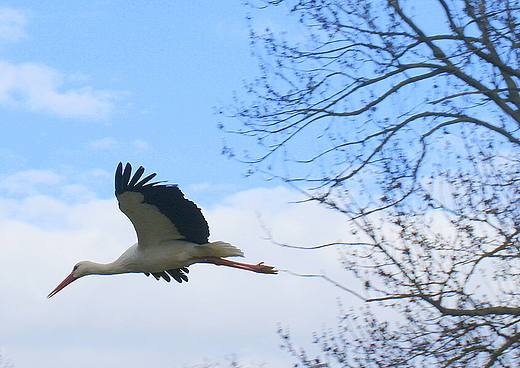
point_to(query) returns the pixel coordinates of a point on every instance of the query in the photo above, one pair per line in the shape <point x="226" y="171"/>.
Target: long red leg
<point x="260" y="267"/>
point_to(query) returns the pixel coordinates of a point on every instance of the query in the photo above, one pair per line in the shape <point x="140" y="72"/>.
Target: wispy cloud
<point x="140" y="145"/>
<point x="41" y="88"/>
<point x="12" y="25"/>
<point x="109" y="143"/>
<point x="28" y="182"/>
<point x="103" y="143"/>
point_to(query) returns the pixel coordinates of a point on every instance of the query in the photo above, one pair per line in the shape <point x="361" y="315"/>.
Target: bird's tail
<point x="221" y="249"/>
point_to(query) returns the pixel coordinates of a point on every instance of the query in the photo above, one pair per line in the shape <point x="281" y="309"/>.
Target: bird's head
<point x="81" y="269"/>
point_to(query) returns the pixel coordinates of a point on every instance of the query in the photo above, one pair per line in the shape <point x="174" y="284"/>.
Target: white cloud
<point x="41" y="88"/>
<point x="109" y="143"/>
<point x="27" y="182"/>
<point x="134" y="321"/>
<point x="140" y="145"/>
<point x="33" y="184"/>
<point x="103" y="143"/>
<point x="12" y="25"/>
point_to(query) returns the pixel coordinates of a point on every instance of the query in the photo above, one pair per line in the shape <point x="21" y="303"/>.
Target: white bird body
<point x="171" y="231"/>
<point x="166" y="255"/>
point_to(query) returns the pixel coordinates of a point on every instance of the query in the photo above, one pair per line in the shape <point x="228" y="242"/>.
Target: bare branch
<point x="328" y="279"/>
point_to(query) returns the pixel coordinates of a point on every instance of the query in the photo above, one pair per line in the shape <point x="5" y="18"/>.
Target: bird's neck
<point x="106" y="268"/>
<point x="125" y="263"/>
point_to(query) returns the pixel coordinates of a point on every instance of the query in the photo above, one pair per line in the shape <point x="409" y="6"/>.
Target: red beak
<point x="64" y="283"/>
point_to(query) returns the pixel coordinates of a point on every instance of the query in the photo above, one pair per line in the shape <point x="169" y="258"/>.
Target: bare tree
<point x="405" y="117"/>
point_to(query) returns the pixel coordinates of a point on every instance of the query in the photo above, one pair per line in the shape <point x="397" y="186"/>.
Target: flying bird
<point x="172" y="234"/>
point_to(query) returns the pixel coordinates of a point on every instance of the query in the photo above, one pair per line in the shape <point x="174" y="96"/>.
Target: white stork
<point x="172" y="234"/>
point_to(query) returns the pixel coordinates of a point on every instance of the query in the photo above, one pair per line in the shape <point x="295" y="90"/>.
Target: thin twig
<point x="269" y="237"/>
<point x="328" y="279"/>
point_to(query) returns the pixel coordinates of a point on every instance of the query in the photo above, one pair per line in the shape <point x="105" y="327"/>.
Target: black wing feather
<point x="136" y="176"/>
<point x="179" y="274"/>
<point x="126" y="176"/>
<point x="145" y="180"/>
<point x="168" y="199"/>
<point x="119" y="179"/>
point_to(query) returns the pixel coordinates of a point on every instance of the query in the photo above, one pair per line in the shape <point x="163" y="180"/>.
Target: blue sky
<point x="86" y="84"/>
<point x="111" y="81"/>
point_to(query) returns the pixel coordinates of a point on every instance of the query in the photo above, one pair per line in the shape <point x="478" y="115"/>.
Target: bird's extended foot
<point x="259" y="267"/>
<point x="263" y="268"/>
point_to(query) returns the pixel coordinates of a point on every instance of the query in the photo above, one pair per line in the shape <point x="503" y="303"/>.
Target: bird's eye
<point x="75" y="268"/>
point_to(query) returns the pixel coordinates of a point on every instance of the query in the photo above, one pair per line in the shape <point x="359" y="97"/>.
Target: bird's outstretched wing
<point x="158" y="211"/>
